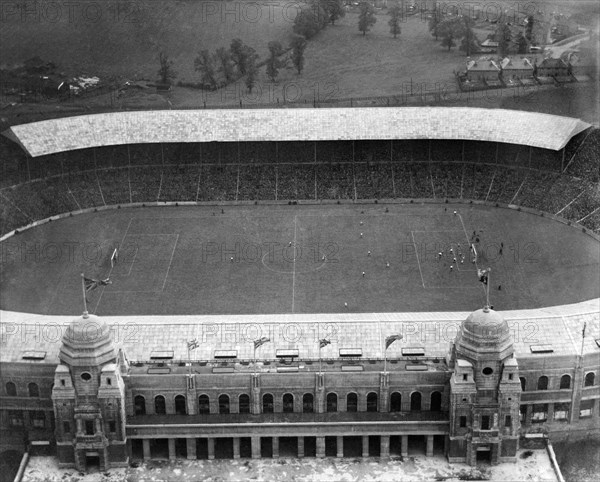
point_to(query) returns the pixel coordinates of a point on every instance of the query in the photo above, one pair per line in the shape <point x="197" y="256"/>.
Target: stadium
<point x="265" y="283"/>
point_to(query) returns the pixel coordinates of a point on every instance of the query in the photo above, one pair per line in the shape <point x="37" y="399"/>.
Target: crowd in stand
<point x="564" y="182"/>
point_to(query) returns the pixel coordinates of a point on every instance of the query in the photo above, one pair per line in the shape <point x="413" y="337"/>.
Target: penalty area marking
<point x="417" y="254"/>
<point x="170" y="261"/>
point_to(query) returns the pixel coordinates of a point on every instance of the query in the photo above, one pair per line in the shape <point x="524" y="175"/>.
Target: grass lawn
<point x="302" y="259"/>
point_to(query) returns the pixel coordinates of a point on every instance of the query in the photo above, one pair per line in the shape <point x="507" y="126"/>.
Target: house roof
<point x="245" y="125"/>
<point x="516" y="64"/>
<point x="482" y="66"/>
<point x="552" y="63"/>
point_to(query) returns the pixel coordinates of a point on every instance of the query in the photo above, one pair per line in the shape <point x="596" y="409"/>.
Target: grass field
<point x="300" y="259"/>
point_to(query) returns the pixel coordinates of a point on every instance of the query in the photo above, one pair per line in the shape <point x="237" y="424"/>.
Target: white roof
<point x="377" y="123"/>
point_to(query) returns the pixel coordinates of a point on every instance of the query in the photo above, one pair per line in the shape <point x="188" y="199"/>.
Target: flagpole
<point x="488" y="287"/>
<point x="254" y="364"/>
<point x="85" y="311"/>
<point x="320" y="359"/>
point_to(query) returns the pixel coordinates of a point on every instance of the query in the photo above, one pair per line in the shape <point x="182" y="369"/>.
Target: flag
<point x="260" y="342"/>
<point x="483" y="275"/>
<point x="192" y="345"/>
<point x="391" y="339"/>
<point x="90" y="283"/>
<point x="324" y="343"/>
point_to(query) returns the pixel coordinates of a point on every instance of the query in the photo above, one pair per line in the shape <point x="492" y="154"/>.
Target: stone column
<point x="404" y="447"/>
<point x="275" y="447"/>
<point x="300" y="447"/>
<point x="320" y="447"/>
<point x="236" y="447"/>
<point x="340" y="446"/>
<point x="191" y="448"/>
<point x="146" y="448"/>
<point x="365" y="443"/>
<point x="211" y="448"/>
<point x="527" y="421"/>
<point x="384" y="446"/>
<point x="255" y="447"/>
<point x="171" y="448"/>
<point x="384" y="392"/>
<point x="429" y="452"/>
<point x="550" y="412"/>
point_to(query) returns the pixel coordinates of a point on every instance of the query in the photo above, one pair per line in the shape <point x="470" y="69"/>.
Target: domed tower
<point x="89" y="398"/>
<point x="485" y="391"/>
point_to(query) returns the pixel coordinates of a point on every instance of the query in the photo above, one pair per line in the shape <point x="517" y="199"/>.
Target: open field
<point x="297" y="259"/>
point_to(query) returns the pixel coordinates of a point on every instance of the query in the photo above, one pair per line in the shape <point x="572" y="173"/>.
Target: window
<point x="465" y="377"/>
<point x="86" y="377"/>
<point x="508" y="421"/>
<point x="34" y="390"/>
<point x="139" y="404"/>
<point x="62" y="382"/>
<point x="487" y="371"/>
<point x="542" y="383"/>
<point x="589" y="379"/>
<point x="485" y="422"/>
<point x="415" y="401"/>
<point x="224" y="404"/>
<point x="436" y="402"/>
<point x="203" y="405"/>
<point x="352" y="402"/>
<point x="510" y="376"/>
<point x="16" y="418"/>
<point x="307" y="403"/>
<point x="523" y="383"/>
<point x="332" y="402"/>
<point x="586" y="408"/>
<point x="89" y="427"/>
<point x="288" y="403"/>
<point x="112" y="426"/>
<point x="160" y="407"/>
<point x="38" y="419"/>
<point x="244" y="403"/>
<point x="180" y="405"/>
<point x="565" y="382"/>
<point x="522" y="413"/>
<point x="463" y="421"/>
<point x="267" y="403"/>
<point x="539" y="413"/>
<point x="396" y="402"/>
<point x="11" y="389"/>
<point x="109" y="381"/>
<point x="371" y="402"/>
<point x="66" y="427"/>
<point x="561" y="411"/>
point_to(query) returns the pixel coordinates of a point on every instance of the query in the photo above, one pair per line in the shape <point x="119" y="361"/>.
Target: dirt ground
<point x="531" y="466"/>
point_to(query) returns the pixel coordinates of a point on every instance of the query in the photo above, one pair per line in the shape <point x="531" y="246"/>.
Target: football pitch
<point x="298" y="259"/>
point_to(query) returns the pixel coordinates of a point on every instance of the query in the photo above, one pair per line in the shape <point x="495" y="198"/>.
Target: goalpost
<point x="114" y="258"/>
<point x="473" y="253"/>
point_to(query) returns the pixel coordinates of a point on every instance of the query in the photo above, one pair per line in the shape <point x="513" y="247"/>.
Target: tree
<point x="310" y="21"/>
<point x="469" y="41"/>
<point x="241" y="55"/>
<point x="225" y="64"/>
<point x="394" y="23"/>
<point x="450" y="30"/>
<point x="205" y="64"/>
<point x="434" y="22"/>
<point x="251" y="73"/>
<point x="165" y="72"/>
<point x="529" y="28"/>
<point x="298" y="46"/>
<point x="503" y="37"/>
<point x="273" y="62"/>
<point x="334" y="9"/>
<point x="366" y="18"/>
<point x="521" y="43"/>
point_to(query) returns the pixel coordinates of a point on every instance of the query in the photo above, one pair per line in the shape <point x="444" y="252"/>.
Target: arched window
<point x="371" y="402"/>
<point x="160" y="407"/>
<point x="589" y="379"/>
<point x="332" y="402"/>
<point x="565" y="381"/>
<point x="415" y="401"/>
<point x="352" y="402"/>
<point x="34" y="390"/>
<point x="288" y="403"/>
<point x="203" y="405"/>
<point x="396" y="402"/>
<point x="244" y="403"/>
<point x="180" y="405"/>
<point x="543" y="383"/>
<point x="139" y="404"/>
<point x="11" y="389"/>
<point x="224" y="404"/>
<point x="267" y="405"/>
<point x="523" y="383"/>
<point x="308" y="403"/>
<point x="436" y="402"/>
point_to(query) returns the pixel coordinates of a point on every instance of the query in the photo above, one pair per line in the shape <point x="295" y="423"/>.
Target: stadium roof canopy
<point x="379" y="123"/>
